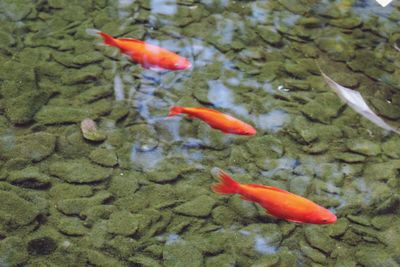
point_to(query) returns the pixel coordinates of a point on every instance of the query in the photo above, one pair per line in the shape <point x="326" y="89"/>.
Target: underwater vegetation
<point x="93" y="174"/>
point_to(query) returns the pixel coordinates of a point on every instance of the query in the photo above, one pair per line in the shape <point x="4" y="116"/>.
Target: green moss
<point x="79" y="171"/>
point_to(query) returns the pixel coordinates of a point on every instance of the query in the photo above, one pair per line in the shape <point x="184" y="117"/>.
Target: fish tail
<point x="226" y="183"/>
<point x="108" y="39"/>
<point x="175" y="110"/>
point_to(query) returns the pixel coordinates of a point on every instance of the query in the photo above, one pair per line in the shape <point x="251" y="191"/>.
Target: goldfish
<point x="147" y="55"/>
<point x="217" y="120"/>
<point x="277" y="202"/>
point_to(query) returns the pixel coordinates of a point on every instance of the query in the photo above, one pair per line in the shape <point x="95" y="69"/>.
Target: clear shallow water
<point x="141" y="195"/>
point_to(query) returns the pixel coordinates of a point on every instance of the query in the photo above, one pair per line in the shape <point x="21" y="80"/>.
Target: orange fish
<point x="217" y="120"/>
<point x="277" y="202"/>
<point x="148" y="55"/>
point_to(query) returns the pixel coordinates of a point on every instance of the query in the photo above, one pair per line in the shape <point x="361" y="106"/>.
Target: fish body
<point x="277" y="202"/>
<point x="217" y="120"/>
<point x="148" y="55"/>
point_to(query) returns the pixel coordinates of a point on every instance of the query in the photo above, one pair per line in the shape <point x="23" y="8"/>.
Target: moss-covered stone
<point x="35" y="147"/>
<point x="122" y="223"/>
<point x="57" y="115"/>
<point x="364" y="147"/>
<point x="323" y="108"/>
<point x="79" y="171"/>
<point x="30" y="177"/>
<point x="181" y="254"/>
<point x="319" y="239"/>
<point x="74" y="206"/>
<point x="198" y="207"/>
<point x="71" y="227"/>
<point x="105" y="157"/>
<point x="13" y="252"/>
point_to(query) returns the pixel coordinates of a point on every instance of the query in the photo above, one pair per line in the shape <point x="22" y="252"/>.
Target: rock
<point x="198" y="207"/>
<point x="221" y="260"/>
<point x="374" y="257"/>
<point x="122" y="223"/>
<point x="92" y="94"/>
<point x="181" y="254"/>
<point x="103" y="156"/>
<point x="15" y="211"/>
<point x="265" y="147"/>
<point x="392" y="148"/>
<point x="319" y="239"/>
<point x="35" y="147"/>
<point x="299" y="184"/>
<point x="57" y="115"/>
<point x="223" y="216"/>
<point x="338" y="228"/>
<point x="65" y="191"/>
<point x="71" y="227"/>
<point x="90" y="132"/>
<point x="79" y="171"/>
<point x="346" y="23"/>
<point x="13" y="252"/>
<point x="99" y="259"/>
<point x="30" y="177"/>
<point x="269" y="34"/>
<point x="313" y="254"/>
<point x="42" y="246"/>
<point x="388" y="110"/>
<point x="74" y="206"/>
<point x="123" y="186"/>
<point x="349" y="157"/>
<point x="95" y="213"/>
<point x="364" y="147"/>
<point x="144" y="261"/>
<point x="323" y="108"/>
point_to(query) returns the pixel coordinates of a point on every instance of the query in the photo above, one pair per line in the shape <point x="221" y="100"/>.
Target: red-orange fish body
<point x="277" y="202"/>
<point x="217" y="120"/>
<point x="148" y="55"/>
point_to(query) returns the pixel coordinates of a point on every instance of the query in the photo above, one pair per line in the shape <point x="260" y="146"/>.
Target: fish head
<point x="181" y="63"/>
<point x="322" y="216"/>
<point x="248" y="130"/>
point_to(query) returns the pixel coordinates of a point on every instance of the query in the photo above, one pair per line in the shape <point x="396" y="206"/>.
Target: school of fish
<point x="276" y="202"/>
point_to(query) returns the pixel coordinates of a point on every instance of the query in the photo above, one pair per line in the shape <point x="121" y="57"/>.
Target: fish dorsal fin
<point x="131" y="40"/>
<point x="268" y="187"/>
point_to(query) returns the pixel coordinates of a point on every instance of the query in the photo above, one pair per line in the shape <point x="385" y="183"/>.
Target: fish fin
<point x="226" y="183"/>
<point x="268" y="187"/>
<point x="294" y="221"/>
<point x="92" y="32"/>
<point x="108" y="39"/>
<point x="131" y="40"/>
<point x="175" y="110"/>
<point x="154" y="68"/>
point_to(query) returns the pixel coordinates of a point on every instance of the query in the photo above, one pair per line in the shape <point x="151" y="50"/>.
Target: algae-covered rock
<point x="122" y="223"/>
<point x="105" y="157"/>
<point x="72" y="227"/>
<point x="144" y="261"/>
<point x="16" y="211"/>
<point x="79" y="171"/>
<point x="323" y="108"/>
<point x="181" y="254"/>
<point x="265" y="147"/>
<point x="374" y="257"/>
<point x="56" y="114"/>
<point x="99" y="259"/>
<point x="123" y="186"/>
<point x="222" y="260"/>
<point x="198" y="207"/>
<point x="319" y="239"/>
<point x="13" y="252"/>
<point x="30" y="177"/>
<point x="392" y="148"/>
<point x="74" y="206"/>
<point x="314" y="254"/>
<point x="35" y="147"/>
<point x="364" y="147"/>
